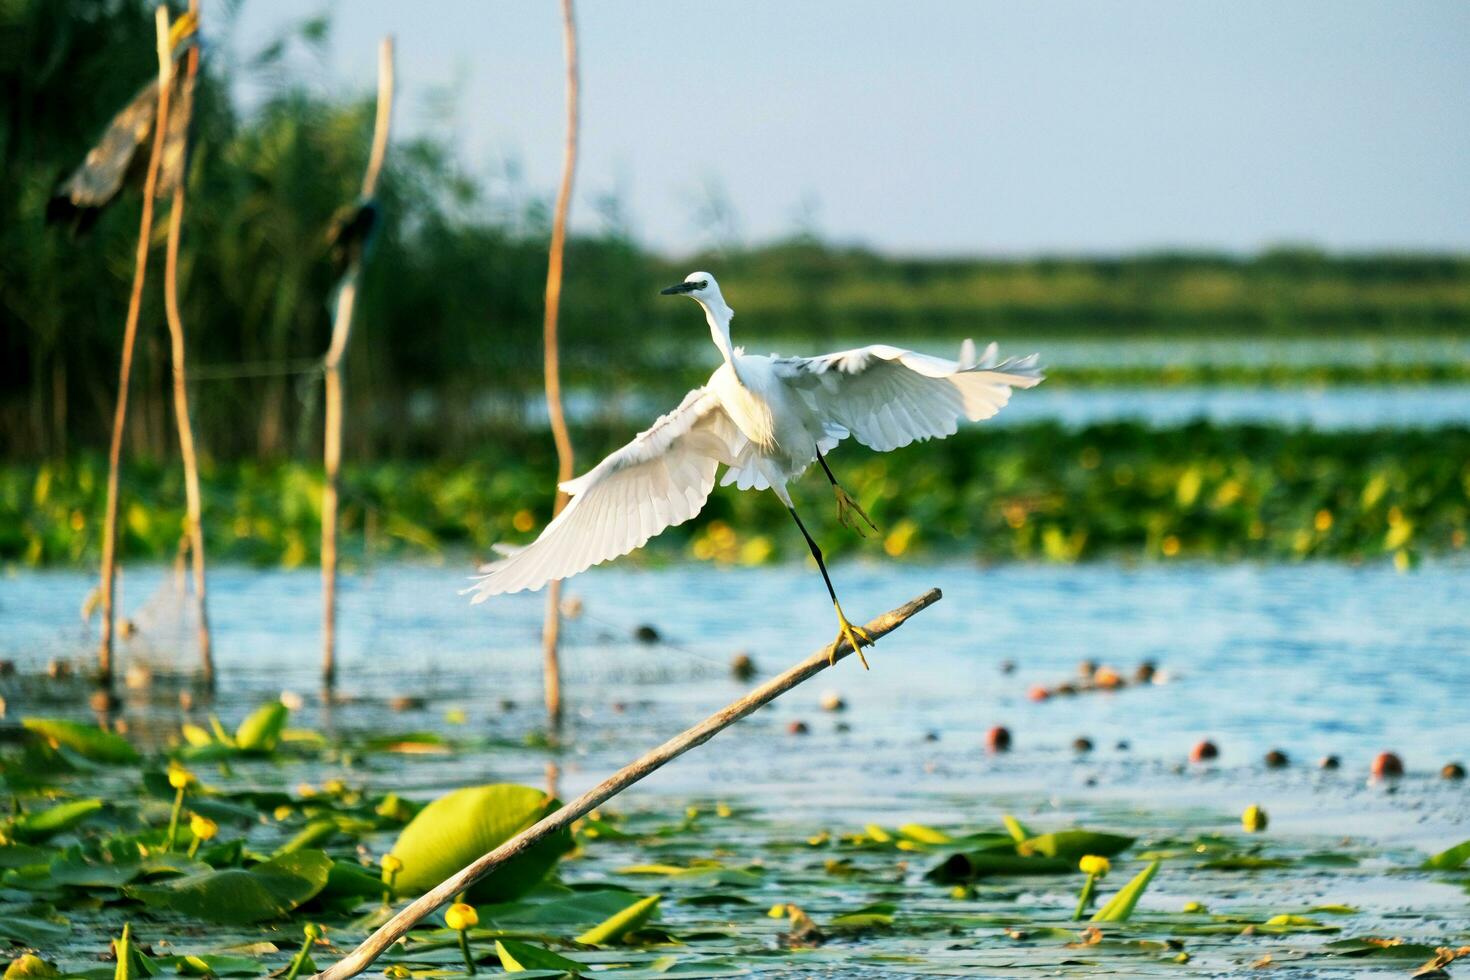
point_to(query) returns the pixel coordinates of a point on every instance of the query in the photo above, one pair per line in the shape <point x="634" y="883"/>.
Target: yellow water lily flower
<point x="1095" y="864"/>
<point x="461" y="916"/>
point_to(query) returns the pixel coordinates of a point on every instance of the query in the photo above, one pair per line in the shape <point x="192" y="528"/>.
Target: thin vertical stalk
<point x="341" y="329"/>
<point x="130" y="336"/>
<point x="195" y="529"/>
<point x="551" y="631"/>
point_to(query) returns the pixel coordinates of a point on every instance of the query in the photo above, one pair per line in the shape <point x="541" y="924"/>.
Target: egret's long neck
<point x="719" y="315"/>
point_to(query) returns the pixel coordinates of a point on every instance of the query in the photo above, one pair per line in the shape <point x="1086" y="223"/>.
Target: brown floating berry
<point x="1087" y="668"/>
<point x="998" y="739"/>
<point x="1276" y="759"/>
<point x="1329" y="762"/>
<point x="1038" y="692"/>
<point x="797" y="728"/>
<point x="742" y="667"/>
<point x="646" y="634"/>
<point x="1204" y="751"/>
<point x="1386" y="765"/>
<point x="1145" y="672"/>
<point x="1082" y="744"/>
<point x="1452" y="770"/>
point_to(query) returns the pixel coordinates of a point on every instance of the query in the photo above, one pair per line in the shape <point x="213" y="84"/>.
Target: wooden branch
<point x="395" y="928"/>
<point x="130" y="336"/>
<point x="195" y="529"/>
<point x="551" y="629"/>
<point x="341" y="330"/>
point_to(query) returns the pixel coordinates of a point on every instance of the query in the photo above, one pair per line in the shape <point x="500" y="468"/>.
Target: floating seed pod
<point x="1144" y="672"/>
<point x="1387" y="765"/>
<point x="1038" y="692"/>
<point x="742" y="667"/>
<point x="1204" y="751"/>
<point x="797" y="728"/>
<point x="832" y="701"/>
<point x="1329" y="762"/>
<point x="998" y="739"/>
<point x="1452" y="770"/>
<point x="1276" y="759"/>
<point x="1082" y="744"/>
<point x="646" y="634"/>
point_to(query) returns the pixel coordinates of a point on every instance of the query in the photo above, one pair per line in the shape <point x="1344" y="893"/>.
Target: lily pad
<point x="519" y="957"/>
<point x="1073" y="845"/>
<point x="615" y="929"/>
<point x="64" y="816"/>
<point x="461" y="826"/>
<point x="966" y="866"/>
<point x="1451" y="859"/>
<point x="261" y="731"/>
<point x="1121" y="905"/>
<point x="87" y="741"/>
<point x="237" y="896"/>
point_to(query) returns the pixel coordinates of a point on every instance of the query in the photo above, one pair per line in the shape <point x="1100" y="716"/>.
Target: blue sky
<point x="942" y="128"/>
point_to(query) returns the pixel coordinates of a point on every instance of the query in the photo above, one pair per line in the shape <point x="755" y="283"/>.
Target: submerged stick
<point x="341" y="330"/>
<point x="130" y="335"/>
<point x="194" y="519"/>
<point x="398" y="926"/>
<point x="551" y="630"/>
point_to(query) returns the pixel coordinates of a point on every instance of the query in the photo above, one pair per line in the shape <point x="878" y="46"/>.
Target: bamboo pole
<point x="395" y="928"/>
<point x="130" y="336"/>
<point x="551" y="630"/>
<point x="341" y="329"/>
<point x="195" y="528"/>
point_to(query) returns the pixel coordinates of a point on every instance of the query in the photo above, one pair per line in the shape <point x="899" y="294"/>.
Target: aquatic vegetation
<point x="1038" y="492"/>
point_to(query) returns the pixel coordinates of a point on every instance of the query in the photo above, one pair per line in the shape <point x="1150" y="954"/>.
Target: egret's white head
<point x="702" y="288"/>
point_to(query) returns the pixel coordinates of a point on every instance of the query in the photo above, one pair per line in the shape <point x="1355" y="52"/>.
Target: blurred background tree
<point x="448" y="343"/>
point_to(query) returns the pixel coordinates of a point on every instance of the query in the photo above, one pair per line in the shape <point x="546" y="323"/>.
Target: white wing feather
<point x="661" y="478"/>
<point x="888" y="397"/>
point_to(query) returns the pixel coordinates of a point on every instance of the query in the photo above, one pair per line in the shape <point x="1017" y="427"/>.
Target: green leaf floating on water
<point x="30" y="967"/>
<point x="77" y="871"/>
<point x="1451" y="859"/>
<point x="518" y="957"/>
<point x="261" y="732"/>
<point x="64" y="816"/>
<point x="966" y="866"/>
<point x="461" y="826"/>
<point x="617" y="927"/>
<point x="1073" y="845"/>
<point x="30" y="931"/>
<point x="1019" y="832"/>
<point x="1121" y="905"/>
<point x="237" y="896"/>
<point x="87" y="741"/>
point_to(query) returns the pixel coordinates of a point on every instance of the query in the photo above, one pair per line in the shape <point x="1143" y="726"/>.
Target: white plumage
<point x="765" y="419"/>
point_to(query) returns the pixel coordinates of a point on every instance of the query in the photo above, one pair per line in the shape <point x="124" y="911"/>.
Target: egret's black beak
<point x="681" y="287"/>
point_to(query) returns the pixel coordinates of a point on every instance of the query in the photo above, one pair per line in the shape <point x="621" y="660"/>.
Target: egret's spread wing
<point x="660" y="479"/>
<point x="888" y="397"/>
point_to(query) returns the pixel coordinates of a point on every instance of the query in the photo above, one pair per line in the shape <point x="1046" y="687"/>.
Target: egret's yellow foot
<point x="846" y="507"/>
<point x="856" y="636"/>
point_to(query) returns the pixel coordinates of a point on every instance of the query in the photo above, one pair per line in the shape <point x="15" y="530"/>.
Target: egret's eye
<point x="701" y="284"/>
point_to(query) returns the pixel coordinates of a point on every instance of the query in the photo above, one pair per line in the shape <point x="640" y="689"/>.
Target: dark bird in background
<point x="119" y="159"/>
<point x="352" y="234"/>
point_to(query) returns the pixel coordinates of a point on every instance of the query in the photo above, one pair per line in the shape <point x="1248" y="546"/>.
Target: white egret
<point x="766" y="419"/>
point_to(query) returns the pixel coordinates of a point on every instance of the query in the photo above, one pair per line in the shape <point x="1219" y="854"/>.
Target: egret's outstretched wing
<point x="660" y="479"/>
<point x="888" y="397"/>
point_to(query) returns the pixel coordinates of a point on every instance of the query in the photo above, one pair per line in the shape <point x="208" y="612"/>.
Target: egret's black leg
<point x="856" y="636"/>
<point x="846" y="506"/>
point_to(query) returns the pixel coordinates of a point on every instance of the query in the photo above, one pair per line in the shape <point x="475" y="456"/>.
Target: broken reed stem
<point x="341" y="330"/>
<point x="130" y="335"/>
<point x="398" y="926"/>
<point x="551" y="630"/>
<point x="194" y="517"/>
